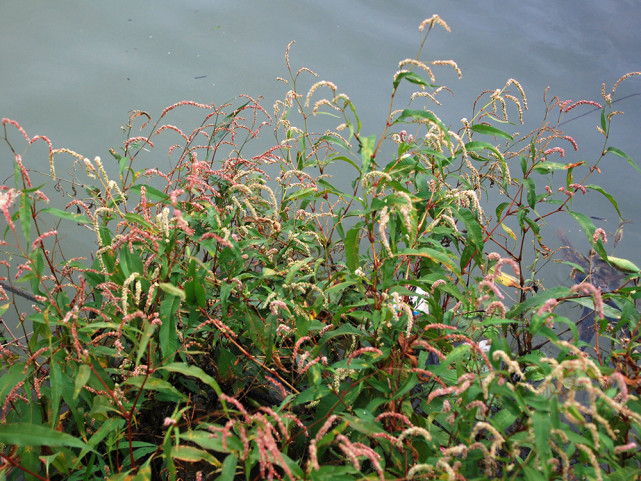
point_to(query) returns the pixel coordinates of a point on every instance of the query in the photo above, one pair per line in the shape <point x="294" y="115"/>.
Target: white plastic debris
<point x="485" y="345"/>
<point x="419" y="303"/>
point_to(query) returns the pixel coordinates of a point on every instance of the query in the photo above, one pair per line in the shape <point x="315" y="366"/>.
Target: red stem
<point x="15" y="464"/>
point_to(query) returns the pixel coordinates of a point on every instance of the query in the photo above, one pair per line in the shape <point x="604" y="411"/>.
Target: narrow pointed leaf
<point x="623" y="155"/>
<point x="422" y="115"/>
<point x="172" y="290"/>
<point x="81" y="379"/>
<point x="413" y="78"/>
<point x="193" y="455"/>
<point x="606" y="195"/>
<point x="531" y="192"/>
<point x="193" y="371"/>
<point x="623" y="265"/>
<point x="25" y="434"/>
<point x="154" y="384"/>
<point x="490" y="130"/>
<point x="477" y="145"/>
<point x="167" y="334"/>
<point x="79" y="218"/>
<point x="352" y="239"/>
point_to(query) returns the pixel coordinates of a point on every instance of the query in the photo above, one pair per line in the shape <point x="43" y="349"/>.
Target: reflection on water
<point x="596" y="271"/>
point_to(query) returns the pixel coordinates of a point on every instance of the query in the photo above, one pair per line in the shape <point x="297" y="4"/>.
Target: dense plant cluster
<point x="251" y="317"/>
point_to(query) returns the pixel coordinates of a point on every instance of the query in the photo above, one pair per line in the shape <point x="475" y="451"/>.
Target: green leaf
<point x="193" y="371"/>
<point x="547" y="167"/>
<point x="531" y="192"/>
<point x="490" y="130"/>
<point x="9" y="378"/>
<point x="413" y="78"/>
<point x="509" y="231"/>
<point x="172" y="290"/>
<point x="335" y="473"/>
<point x="154" y="384"/>
<point x="333" y="140"/>
<point x="456" y="353"/>
<point x="130" y="262"/>
<point x="329" y="188"/>
<point x="260" y="333"/>
<point x="367" y="149"/>
<point x="151" y="193"/>
<point x="147" y="334"/>
<point x="496" y="321"/>
<point x="122" y="165"/>
<point x="79" y="218"/>
<point x="347" y="160"/>
<point x="295" y="269"/>
<point x="477" y="145"/>
<point x="204" y="440"/>
<point x="532" y="474"/>
<point x="500" y="208"/>
<point x="538" y="300"/>
<point x="144" y="472"/>
<point x="56" y="388"/>
<point x="623" y="155"/>
<point x="541" y="422"/>
<point x="167" y="335"/>
<point x="25" y="216"/>
<point x="432" y="254"/>
<point x="364" y="423"/>
<point x="606" y="195"/>
<point x="623" y="265"/>
<point x="193" y="455"/>
<point x="534" y="226"/>
<point x="81" y="379"/>
<point x="229" y="468"/>
<point x="474" y="230"/>
<point x="344" y="330"/>
<point x="225" y="292"/>
<point x="423" y="115"/>
<point x="589" y="228"/>
<point x="194" y="291"/>
<point x="110" y="426"/>
<point x="352" y="244"/>
<point x="299" y="193"/>
<point x="25" y="434"/>
<point x="138" y="219"/>
<point x="608" y="311"/>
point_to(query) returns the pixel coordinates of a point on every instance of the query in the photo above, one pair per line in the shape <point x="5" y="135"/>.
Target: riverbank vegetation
<point x="341" y="304"/>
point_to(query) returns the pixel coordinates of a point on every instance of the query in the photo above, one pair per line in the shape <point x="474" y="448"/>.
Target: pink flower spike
<point x="390" y="414"/>
<point x="600" y="233"/>
<point x="624" y="448"/>
<point x="35" y="243"/>
<point x="578" y="187"/>
<point x="565" y="109"/>
<point x="572" y="141"/>
<point x="131" y="140"/>
<point x="361" y="351"/>
<point x="490" y="284"/>
<point x="564" y="104"/>
<point x="7" y="198"/>
<point x="547" y="307"/>
<point x="6" y="121"/>
<point x="590" y="289"/>
<point x="557" y="150"/>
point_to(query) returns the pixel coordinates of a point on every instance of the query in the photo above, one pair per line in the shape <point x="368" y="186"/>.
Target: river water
<point x="72" y="69"/>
